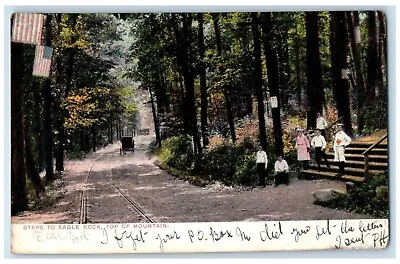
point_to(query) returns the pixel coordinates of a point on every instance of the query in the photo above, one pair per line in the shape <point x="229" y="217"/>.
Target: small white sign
<point x="274" y="102"/>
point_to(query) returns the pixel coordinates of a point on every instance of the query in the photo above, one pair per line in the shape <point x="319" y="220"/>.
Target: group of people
<point x="303" y="147"/>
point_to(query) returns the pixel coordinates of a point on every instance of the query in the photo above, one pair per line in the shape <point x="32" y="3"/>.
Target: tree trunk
<point x="382" y="52"/>
<point x="203" y="83"/>
<point x="258" y="79"/>
<point x="68" y="85"/>
<point x="37" y="123"/>
<point x="339" y="68"/>
<point x="231" y="119"/>
<point x="168" y="88"/>
<point x="48" y="140"/>
<point x="87" y="140"/>
<point x="272" y="73"/>
<point x="372" y="60"/>
<point x="185" y="61"/>
<point x="248" y="85"/>
<point x="249" y="104"/>
<point x="82" y="140"/>
<point x="19" y="198"/>
<point x="228" y="103"/>
<point x="159" y="94"/>
<point x="110" y="130"/>
<point x="155" y="118"/>
<point x="94" y="138"/>
<point x="284" y="70"/>
<point x="184" y="103"/>
<point x="48" y="130"/>
<point x="355" y="38"/>
<point x="315" y="89"/>
<point x="31" y="171"/>
<point x="117" y="130"/>
<point x="299" y="86"/>
<point x="163" y="92"/>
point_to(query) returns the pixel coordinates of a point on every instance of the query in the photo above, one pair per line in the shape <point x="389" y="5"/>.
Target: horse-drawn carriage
<point x="127" y="144"/>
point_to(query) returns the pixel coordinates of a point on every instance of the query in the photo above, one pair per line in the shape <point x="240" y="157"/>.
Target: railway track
<point x="83" y="194"/>
<point x="134" y="205"/>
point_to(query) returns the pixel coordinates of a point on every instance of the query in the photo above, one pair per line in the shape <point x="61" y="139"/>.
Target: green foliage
<point x="177" y="152"/>
<point x="87" y="106"/>
<point x="71" y="34"/>
<point x="246" y="172"/>
<point x="363" y="199"/>
<point x="219" y="162"/>
<point x="228" y="163"/>
<point x="126" y="95"/>
<point x="380" y="109"/>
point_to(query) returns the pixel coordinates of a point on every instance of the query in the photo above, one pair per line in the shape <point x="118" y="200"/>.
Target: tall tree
<point x="340" y="68"/>
<point x="47" y="116"/>
<point x="60" y="149"/>
<point x="183" y="36"/>
<point x="31" y="92"/>
<point x="203" y="82"/>
<point x="155" y="117"/>
<point x="372" y="58"/>
<point x="382" y="50"/>
<point x="315" y="89"/>
<point x="297" y="62"/>
<point x="228" y="102"/>
<point x="19" y="199"/>
<point x="272" y="73"/>
<point x="258" y="79"/>
<point x="31" y="170"/>
<point x="355" y="39"/>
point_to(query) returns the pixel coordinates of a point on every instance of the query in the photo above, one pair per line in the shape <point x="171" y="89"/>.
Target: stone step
<point x="360" y="164"/>
<point x="359" y="157"/>
<point x="331" y="175"/>
<point x="348" y="170"/>
<point x="375" y="151"/>
<point x="367" y="145"/>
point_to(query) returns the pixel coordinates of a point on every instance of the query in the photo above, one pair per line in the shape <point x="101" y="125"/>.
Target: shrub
<point x="230" y="164"/>
<point x="371" y="112"/>
<point x="246" y="172"/>
<point x="219" y="161"/>
<point x="177" y="152"/>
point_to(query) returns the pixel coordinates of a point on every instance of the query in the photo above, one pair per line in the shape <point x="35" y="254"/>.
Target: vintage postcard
<point x="186" y="132"/>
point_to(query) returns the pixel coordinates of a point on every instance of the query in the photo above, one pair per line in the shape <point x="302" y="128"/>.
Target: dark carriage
<point x="127" y="144"/>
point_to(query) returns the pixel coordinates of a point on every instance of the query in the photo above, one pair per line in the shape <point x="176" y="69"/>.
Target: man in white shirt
<point x="318" y="142"/>
<point x="262" y="163"/>
<point x="281" y="171"/>
<point x="321" y="124"/>
<point x="342" y="140"/>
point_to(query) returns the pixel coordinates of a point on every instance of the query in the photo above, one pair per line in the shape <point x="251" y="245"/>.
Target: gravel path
<point x="167" y="199"/>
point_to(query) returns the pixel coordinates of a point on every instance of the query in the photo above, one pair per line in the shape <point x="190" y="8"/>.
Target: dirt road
<point x="130" y="188"/>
